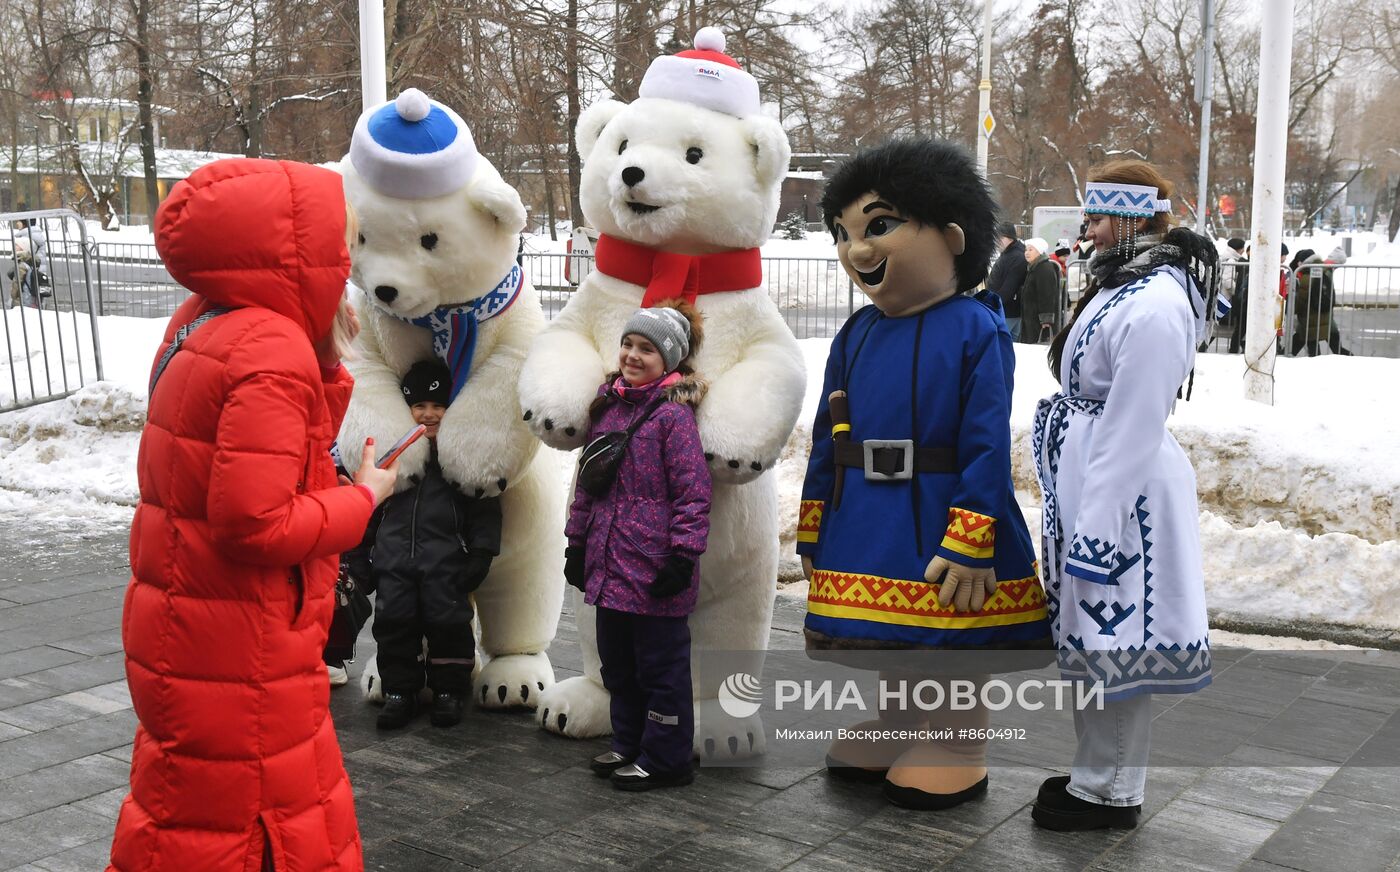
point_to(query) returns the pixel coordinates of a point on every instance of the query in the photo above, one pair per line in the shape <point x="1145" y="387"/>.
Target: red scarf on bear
<point x="667" y="276"/>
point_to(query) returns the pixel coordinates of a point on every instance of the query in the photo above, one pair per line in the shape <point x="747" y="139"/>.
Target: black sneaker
<point x="1058" y="809"/>
<point x="606" y="764"/>
<point x="399" y="709"/>
<point x="447" y="709"/>
<point x="634" y="778"/>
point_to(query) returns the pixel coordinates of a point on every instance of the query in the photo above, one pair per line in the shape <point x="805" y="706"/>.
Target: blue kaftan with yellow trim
<point x="942" y="377"/>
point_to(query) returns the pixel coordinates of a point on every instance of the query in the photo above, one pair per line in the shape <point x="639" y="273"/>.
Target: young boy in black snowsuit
<point x="428" y="548"/>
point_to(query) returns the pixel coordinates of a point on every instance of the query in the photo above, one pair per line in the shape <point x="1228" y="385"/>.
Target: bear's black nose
<point x="632" y="175"/>
<point x="387" y="293"/>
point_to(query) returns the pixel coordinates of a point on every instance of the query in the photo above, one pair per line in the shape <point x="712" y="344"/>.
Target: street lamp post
<point x="1204" y="86"/>
<point x="984" y="88"/>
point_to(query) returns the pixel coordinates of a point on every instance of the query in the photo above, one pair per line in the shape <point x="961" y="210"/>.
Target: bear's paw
<point x="721" y="736"/>
<point x="576" y="707"/>
<point x="730" y="470"/>
<point x="513" y="681"/>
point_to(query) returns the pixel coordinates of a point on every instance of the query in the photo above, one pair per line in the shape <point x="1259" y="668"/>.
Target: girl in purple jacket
<point x="633" y="550"/>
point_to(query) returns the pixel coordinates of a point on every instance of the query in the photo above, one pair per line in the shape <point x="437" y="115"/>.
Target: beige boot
<point x="867" y="759"/>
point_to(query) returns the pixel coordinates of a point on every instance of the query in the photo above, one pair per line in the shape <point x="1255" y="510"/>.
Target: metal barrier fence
<point x="1343" y="308"/>
<point x="814" y="295"/>
<point x="50" y="351"/>
<point x="1336" y="308"/>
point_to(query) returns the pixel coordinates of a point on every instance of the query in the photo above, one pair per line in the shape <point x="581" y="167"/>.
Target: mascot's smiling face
<point x="676" y="177"/>
<point x="902" y="264"/>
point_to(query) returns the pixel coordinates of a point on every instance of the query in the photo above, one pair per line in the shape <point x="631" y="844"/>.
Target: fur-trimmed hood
<point x="689" y="391"/>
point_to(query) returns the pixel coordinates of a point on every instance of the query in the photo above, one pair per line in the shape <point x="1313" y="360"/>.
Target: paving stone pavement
<point x="1308" y="780"/>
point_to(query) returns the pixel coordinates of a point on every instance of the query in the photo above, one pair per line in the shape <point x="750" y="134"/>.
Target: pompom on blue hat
<point x="413" y="148"/>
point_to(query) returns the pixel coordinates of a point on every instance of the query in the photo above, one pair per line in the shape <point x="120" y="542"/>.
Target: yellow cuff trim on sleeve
<point x="970" y="534"/>
<point x="840" y="428"/>
<point x="809" y="520"/>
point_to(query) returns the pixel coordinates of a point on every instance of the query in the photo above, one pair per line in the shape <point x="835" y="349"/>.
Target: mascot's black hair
<point x="930" y="180"/>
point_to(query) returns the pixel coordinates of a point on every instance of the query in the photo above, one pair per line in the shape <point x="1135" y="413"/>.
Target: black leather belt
<point x="895" y="459"/>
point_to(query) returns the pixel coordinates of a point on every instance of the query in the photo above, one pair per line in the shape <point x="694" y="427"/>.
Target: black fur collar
<point x="1180" y="247"/>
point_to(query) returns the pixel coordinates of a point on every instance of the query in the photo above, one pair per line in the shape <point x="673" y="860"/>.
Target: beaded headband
<point x="1129" y="201"/>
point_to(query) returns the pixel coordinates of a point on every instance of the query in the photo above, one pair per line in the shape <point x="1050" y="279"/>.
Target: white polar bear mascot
<point x="683" y="186"/>
<point x="436" y="261"/>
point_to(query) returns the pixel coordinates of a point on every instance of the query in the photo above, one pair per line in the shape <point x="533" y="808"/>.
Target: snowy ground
<point x="1299" y="500"/>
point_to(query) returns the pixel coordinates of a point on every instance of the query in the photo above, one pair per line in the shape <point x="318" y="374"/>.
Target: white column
<point x="1266" y="231"/>
<point x="984" y="88"/>
<point x="373" y="89"/>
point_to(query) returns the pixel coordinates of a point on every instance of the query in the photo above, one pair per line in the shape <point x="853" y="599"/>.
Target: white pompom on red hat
<point x="705" y="76"/>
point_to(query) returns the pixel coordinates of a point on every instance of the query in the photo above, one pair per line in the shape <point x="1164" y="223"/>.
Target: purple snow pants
<point x="646" y="668"/>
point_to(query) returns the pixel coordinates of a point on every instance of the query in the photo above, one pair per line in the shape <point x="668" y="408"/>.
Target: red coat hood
<point x="249" y="232"/>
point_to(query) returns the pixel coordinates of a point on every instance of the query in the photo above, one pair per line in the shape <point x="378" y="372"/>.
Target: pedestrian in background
<point x="1008" y="275"/>
<point x="1040" y="294"/>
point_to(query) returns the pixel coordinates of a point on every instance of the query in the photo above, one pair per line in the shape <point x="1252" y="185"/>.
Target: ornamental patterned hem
<point x="915" y="603"/>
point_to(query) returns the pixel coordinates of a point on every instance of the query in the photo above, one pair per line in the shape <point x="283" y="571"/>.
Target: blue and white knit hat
<point x="1129" y="201"/>
<point x="413" y="148"/>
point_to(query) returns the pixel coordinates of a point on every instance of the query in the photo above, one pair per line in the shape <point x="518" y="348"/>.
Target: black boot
<point x="1058" y="809"/>
<point x="447" y="709"/>
<point x="399" y="709"/>
<point x="1052" y="785"/>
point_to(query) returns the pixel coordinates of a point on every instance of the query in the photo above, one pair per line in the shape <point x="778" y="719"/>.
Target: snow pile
<point x="70" y="465"/>
<point x="1298" y="500"/>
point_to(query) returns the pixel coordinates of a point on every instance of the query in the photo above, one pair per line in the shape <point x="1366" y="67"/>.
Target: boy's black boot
<point x="447" y="709"/>
<point x="634" y="778"/>
<point x="1058" y="809"/>
<point x="399" y="709"/>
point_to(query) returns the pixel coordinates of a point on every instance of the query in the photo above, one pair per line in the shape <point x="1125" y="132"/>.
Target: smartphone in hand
<point x="400" y="446"/>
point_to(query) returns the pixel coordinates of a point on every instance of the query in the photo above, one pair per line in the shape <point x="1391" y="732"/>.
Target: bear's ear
<point x="770" y="147"/>
<point x="491" y="195"/>
<point x="592" y="122"/>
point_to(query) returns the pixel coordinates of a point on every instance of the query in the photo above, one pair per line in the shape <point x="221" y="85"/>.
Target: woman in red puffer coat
<point x="235" y="540"/>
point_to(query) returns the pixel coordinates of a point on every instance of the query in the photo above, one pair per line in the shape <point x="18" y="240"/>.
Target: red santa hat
<point x="705" y="76"/>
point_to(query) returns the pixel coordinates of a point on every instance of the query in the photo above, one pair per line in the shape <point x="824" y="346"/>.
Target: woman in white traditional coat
<point x="1122" y="553"/>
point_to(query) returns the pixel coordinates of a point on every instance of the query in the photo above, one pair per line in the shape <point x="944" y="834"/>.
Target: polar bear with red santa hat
<point x="683" y="186"/>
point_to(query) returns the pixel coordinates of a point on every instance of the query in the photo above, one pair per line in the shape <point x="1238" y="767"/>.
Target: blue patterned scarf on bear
<point x="455" y="327"/>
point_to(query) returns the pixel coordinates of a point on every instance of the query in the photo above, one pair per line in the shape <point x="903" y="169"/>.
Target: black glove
<point x="474" y="569"/>
<point x="573" y="566"/>
<point x="675" y="577"/>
